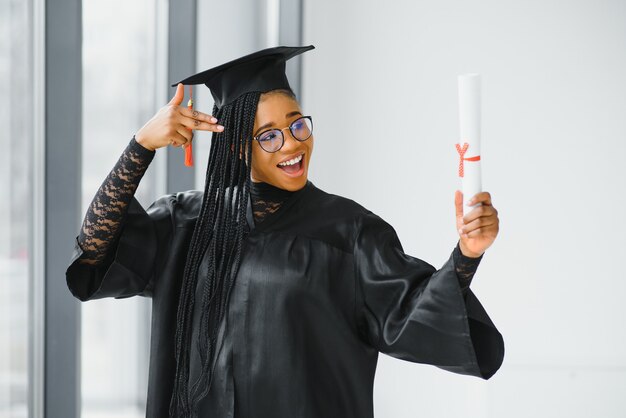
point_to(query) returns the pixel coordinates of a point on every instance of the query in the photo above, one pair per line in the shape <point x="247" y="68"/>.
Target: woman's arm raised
<point x="102" y="222"/>
<point x="172" y="124"/>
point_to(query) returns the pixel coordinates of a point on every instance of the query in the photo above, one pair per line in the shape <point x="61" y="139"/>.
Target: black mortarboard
<point x="260" y="71"/>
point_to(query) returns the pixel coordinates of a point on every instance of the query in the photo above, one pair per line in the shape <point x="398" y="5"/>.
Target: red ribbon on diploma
<point x="461" y="152"/>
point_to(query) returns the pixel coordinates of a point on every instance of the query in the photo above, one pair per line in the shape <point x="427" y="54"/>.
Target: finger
<point x="478" y="232"/>
<point x="191" y="123"/>
<point x="479" y="212"/>
<point x="476" y="224"/>
<point x="178" y="138"/>
<point x="473" y="234"/>
<point x="480" y="197"/>
<point x="178" y="96"/>
<point x="195" y="114"/>
<point x="186" y="134"/>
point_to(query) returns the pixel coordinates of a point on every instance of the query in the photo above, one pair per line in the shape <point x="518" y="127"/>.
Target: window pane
<point x="16" y="138"/>
<point x="118" y="98"/>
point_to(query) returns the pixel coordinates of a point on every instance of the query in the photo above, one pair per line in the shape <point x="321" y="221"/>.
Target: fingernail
<point x="461" y="231"/>
<point x="213" y="120"/>
<point x="220" y="128"/>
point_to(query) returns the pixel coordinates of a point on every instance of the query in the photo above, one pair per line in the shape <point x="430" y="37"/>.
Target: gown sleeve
<point x="408" y="309"/>
<point x="116" y="249"/>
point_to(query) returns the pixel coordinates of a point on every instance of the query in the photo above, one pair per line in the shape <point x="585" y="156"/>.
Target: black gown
<point x="323" y="287"/>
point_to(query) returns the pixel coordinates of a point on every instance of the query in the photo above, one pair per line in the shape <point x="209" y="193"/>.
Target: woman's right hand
<point x="173" y="124"/>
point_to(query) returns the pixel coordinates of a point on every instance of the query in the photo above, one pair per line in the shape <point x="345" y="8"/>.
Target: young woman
<point x="272" y="297"/>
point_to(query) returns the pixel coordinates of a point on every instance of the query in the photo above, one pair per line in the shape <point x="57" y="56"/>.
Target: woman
<point x="275" y="305"/>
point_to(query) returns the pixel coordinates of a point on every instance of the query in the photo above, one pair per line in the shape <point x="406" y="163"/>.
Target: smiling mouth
<point x="294" y="168"/>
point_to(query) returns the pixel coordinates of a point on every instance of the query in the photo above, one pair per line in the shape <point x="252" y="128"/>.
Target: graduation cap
<point x="260" y="71"/>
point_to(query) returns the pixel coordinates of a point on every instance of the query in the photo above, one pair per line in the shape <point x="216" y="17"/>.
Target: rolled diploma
<point x="469" y="130"/>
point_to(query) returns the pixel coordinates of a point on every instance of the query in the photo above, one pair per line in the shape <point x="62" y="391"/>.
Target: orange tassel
<point x="189" y="147"/>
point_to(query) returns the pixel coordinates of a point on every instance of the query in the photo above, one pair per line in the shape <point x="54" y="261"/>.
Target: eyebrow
<point x="269" y="124"/>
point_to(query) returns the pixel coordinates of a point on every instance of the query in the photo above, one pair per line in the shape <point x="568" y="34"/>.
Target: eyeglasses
<point x="273" y="139"/>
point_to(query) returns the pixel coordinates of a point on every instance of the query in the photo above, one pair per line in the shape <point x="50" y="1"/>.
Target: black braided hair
<point x="219" y="231"/>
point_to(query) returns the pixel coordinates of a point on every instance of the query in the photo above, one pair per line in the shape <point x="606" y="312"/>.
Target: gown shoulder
<point x="186" y="207"/>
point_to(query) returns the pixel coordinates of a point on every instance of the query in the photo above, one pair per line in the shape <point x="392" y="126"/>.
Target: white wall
<point x="381" y="86"/>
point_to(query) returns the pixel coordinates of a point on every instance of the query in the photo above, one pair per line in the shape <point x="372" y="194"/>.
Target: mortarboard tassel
<point x="189" y="147"/>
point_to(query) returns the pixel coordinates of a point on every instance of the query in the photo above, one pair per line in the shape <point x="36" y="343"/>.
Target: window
<point x="119" y="43"/>
<point x="16" y="206"/>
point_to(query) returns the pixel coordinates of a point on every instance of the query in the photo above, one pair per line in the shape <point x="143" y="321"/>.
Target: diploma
<point x="468" y="148"/>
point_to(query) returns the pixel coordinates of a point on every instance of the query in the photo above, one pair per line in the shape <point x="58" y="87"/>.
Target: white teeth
<point x="293" y="161"/>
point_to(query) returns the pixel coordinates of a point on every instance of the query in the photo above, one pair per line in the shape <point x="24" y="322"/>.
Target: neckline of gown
<point x="268" y="191"/>
<point x="292" y="196"/>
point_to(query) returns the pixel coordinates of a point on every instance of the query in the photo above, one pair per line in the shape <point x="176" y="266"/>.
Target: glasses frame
<point x="282" y="135"/>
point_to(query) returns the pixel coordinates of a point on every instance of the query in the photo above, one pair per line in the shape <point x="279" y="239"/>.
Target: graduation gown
<point x="324" y="286"/>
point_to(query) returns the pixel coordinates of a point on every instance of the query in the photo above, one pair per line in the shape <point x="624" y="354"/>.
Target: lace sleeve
<point x="465" y="267"/>
<point x="103" y="220"/>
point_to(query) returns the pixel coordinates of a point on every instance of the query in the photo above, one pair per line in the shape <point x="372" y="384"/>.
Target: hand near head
<point x="478" y="228"/>
<point x="173" y="124"/>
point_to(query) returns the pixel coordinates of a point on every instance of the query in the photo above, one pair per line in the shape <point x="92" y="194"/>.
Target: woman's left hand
<point x="478" y="228"/>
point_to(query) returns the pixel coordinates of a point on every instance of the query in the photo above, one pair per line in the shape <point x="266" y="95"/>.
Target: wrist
<point x="141" y="141"/>
<point x="467" y="253"/>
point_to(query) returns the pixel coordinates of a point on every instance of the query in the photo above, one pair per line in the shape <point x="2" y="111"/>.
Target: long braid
<point x="228" y="235"/>
<point x="219" y="231"/>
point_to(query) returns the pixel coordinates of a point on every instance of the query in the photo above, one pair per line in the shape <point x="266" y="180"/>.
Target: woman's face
<point x="277" y="110"/>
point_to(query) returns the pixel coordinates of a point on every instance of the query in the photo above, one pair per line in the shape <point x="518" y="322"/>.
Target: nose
<point x="290" y="141"/>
